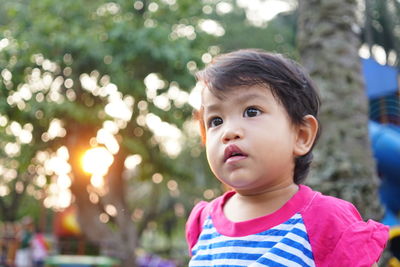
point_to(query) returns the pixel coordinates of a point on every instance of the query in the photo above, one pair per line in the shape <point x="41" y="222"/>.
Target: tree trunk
<point x="329" y="40"/>
<point x="126" y="238"/>
<point x="88" y="213"/>
<point x="119" y="241"/>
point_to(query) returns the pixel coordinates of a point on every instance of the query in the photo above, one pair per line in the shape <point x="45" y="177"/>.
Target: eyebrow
<point x="211" y="108"/>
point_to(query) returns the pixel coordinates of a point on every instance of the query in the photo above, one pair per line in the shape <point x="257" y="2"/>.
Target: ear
<point x="306" y="134"/>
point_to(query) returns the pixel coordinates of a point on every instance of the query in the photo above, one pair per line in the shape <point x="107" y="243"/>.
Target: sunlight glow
<point x="3" y="121"/>
<point x="364" y="51"/>
<point x="97" y="180"/>
<point x="183" y="31"/>
<point x="6" y="74"/>
<point x="110" y="127"/>
<point x="167" y="135"/>
<point x="108" y="8"/>
<point x="42" y="156"/>
<point x="12" y="149"/>
<point x="379" y="54"/>
<point x="9" y="175"/>
<point x="58" y="200"/>
<point x="48" y="65"/>
<point x="4" y="190"/>
<point x="258" y="12"/>
<point x="97" y="160"/>
<point x="89" y="83"/>
<point x="195" y="96"/>
<point x="162" y="102"/>
<point x="179" y="96"/>
<point x="153" y="83"/>
<point x="111" y="210"/>
<point x="169" y="2"/>
<point x="63" y="153"/>
<point x="56" y="129"/>
<point x="64" y="181"/>
<point x="40" y="180"/>
<point x="224" y="8"/>
<point x="211" y="27"/>
<point x="58" y="165"/>
<point x="132" y="161"/>
<point x="55" y="165"/>
<point x="4" y="43"/>
<point x="392" y="58"/>
<point x="108" y="139"/>
<point x="15" y="128"/>
<point x="23" y="134"/>
<point x="25" y="137"/>
<point x="117" y="108"/>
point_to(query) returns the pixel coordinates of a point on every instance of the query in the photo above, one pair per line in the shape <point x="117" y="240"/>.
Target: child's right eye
<point x="213" y="122"/>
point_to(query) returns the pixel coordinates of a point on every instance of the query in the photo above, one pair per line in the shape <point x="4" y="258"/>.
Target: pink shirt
<point x="336" y="232"/>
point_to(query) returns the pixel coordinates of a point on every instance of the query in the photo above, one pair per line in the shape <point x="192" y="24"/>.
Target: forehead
<point x="236" y="94"/>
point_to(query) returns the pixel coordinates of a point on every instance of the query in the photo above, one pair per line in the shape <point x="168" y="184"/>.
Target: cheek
<point x="211" y="153"/>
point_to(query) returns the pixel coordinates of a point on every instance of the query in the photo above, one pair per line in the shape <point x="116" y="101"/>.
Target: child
<point x="39" y="247"/>
<point x="259" y="124"/>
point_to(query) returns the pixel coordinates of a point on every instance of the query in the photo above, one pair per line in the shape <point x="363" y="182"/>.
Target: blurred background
<point x="101" y="160"/>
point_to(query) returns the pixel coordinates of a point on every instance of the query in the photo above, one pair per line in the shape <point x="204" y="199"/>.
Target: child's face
<point x="250" y="141"/>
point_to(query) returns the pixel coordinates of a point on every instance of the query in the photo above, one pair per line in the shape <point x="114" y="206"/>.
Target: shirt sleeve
<point x="360" y="245"/>
<point x="194" y="224"/>
<point x="340" y="237"/>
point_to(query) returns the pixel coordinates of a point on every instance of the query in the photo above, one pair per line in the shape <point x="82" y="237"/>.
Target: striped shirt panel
<point x="286" y="244"/>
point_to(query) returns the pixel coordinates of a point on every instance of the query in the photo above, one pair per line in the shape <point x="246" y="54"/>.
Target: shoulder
<point x="196" y="219"/>
<point x="338" y="234"/>
<point x="332" y="209"/>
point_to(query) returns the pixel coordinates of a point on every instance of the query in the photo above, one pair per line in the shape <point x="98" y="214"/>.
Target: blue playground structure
<point x="385" y="141"/>
<point x="383" y="91"/>
<point x="382" y="87"/>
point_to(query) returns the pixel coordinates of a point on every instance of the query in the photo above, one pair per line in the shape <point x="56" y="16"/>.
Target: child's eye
<point x="215" y="121"/>
<point x="251" y="112"/>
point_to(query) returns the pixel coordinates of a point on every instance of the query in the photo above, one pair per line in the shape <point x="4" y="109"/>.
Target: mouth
<point x="233" y="152"/>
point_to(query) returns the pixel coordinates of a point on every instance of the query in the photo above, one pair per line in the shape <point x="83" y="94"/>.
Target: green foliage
<point x="382" y="26"/>
<point x="53" y="46"/>
<point x="277" y="35"/>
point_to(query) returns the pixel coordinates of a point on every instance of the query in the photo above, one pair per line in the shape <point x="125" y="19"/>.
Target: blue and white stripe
<point x="286" y="244"/>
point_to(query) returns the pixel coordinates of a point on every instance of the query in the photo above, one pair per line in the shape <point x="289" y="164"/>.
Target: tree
<point x="66" y="65"/>
<point x="381" y="28"/>
<point x="62" y="85"/>
<point x="329" y="41"/>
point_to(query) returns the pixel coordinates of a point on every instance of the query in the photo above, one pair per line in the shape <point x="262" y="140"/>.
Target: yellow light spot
<point x="97" y="181"/>
<point x="97" y="160"/>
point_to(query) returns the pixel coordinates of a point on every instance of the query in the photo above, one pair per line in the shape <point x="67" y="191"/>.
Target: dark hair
<point x="287" y="80"/>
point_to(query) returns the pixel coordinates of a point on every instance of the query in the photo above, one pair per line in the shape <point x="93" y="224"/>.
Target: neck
<point x="279" y="191"/>
<point x="260" y="204"/>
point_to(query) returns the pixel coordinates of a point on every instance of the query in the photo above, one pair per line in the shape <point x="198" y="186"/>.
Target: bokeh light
<point x="97" y="160"/>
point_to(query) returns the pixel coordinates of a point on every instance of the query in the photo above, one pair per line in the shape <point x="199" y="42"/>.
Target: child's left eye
<point x="251" y="112"/>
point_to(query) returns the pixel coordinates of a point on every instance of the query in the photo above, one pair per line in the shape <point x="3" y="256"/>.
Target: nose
<point x="231" y="133"/>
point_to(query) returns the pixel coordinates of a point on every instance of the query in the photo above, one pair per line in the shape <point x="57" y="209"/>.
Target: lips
<point x="233" y="152"/>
